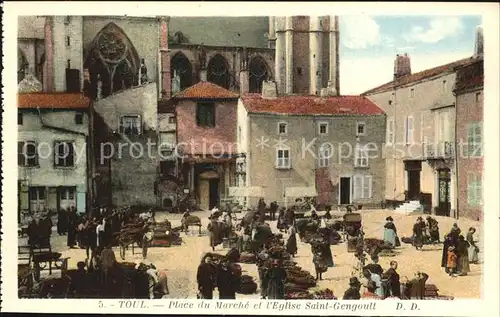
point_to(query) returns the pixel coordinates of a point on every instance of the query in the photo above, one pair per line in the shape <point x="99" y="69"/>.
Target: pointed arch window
<point x="22" y="65"/>
<point x="218" y="71"/>
<point x="259" y="71"/>
<point x="112" y="60"/>
<point x="182" y="72"/>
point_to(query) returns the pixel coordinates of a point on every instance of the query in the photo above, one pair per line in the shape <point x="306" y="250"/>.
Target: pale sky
<point x="369" y="45"/>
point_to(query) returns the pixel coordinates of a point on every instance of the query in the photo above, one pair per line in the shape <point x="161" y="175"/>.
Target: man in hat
<point x="353" y="291"/>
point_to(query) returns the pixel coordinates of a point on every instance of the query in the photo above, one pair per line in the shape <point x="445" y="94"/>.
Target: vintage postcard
<point x="251" y="158"/>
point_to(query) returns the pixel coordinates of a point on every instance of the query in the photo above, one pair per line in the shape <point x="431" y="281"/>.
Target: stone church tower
<point x="307" y="54"/>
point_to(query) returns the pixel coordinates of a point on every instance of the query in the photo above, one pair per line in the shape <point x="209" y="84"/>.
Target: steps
<point x="411" y="207"/>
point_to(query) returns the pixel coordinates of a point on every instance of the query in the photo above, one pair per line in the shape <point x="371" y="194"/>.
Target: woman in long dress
<point x="390" y="233"/>
<point x="473" y="249"/>
<point x="276" y="277"/>
<point x="291" y="244"/>
<point x="463" y="256"/>
<point x="418" y="234"/>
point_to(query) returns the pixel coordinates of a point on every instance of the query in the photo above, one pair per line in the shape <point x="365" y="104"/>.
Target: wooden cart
<point x="42" y="258"/>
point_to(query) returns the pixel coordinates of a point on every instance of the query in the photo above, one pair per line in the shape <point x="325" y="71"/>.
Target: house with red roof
<point x="52" y="149"/>
<point x="297" y="146"/>
<point x="421" y="141"/>
<point x="206" y="141"/>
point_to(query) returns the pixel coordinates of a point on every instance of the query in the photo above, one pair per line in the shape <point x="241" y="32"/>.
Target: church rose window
<point x="258" y="73"/>
<point x="112" y="60"/>
<point x="181" y="72"/>
<point x="218" y="72"/>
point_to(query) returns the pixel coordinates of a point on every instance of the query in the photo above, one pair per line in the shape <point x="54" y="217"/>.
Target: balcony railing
<point x="439" y="150"/>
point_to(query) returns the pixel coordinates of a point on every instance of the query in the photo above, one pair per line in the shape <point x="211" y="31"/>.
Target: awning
<point x="301" y="192"/>
<point x="246" y="191"/>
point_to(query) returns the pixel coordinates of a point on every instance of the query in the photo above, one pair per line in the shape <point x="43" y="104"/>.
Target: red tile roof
<point x="205" y="90"/>
<point x="52" y="101"/>
<point x="311" y="105"/>
<point x="428" y="73"/>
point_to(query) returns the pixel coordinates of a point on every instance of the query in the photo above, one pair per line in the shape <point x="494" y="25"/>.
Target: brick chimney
<point x="479" y="44"/>
<point x="402" y="66"/>
<point x="166" y="82"/>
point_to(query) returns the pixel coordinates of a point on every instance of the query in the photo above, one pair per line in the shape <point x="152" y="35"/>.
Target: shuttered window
<point x="362" y="187"/>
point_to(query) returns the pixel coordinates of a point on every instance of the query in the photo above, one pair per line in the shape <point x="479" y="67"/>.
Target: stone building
<point x="206" y="136"/>
<point x="420" y="141"/>
<point x="130" y="67"/>
<point x="329" y="146"/>
<point x="469" y="91"/>
<point x="52" y="152"/>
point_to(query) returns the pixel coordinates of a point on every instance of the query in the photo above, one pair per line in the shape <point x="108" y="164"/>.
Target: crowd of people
<point x="370" y="281"/>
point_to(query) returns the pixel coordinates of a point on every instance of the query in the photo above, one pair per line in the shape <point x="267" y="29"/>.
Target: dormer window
<point x="282" y="128"/>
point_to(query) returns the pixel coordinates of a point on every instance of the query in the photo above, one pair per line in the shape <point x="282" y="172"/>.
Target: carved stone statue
<point x="144" y="72"/>
<point x="202" y="57"/>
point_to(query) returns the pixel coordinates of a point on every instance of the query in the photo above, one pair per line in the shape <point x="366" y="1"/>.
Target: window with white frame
<point x="64" y="154"/>
<point x="323" y="128"/>
<point x="362" y="187"/>
<point x="360" y="128"/>
<point x="282" y="128"/>
<point x="474" y="146"/>
<point x="27" y="154"/>
<point x="131" y="125"/>
<point x="390" y="130"/>
<point x="325" y="154"/>
<point x="283" y="158"/>
<point x="474" y="189"/>
<point x="361" y="157"/>
<point x="409" y="128"/>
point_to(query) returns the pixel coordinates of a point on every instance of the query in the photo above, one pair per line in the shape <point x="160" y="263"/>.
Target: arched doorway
<point x="218" y="71"/>
<point x="259" y="71"/>
<point x="182" y="72"/>
<point x="22" y="65"/>
<point x="113" y="58"/>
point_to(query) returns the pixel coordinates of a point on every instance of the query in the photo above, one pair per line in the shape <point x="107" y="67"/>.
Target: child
<point x="452" y="261"/>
